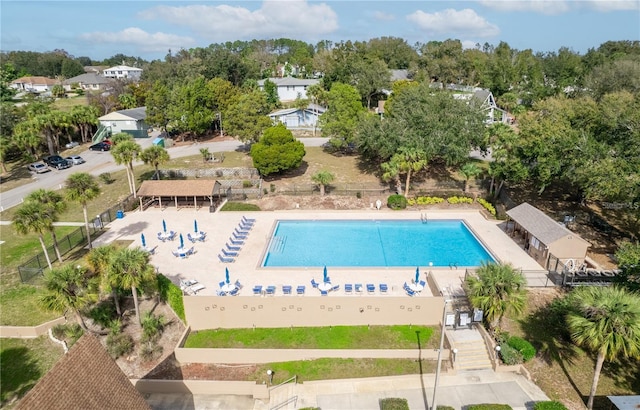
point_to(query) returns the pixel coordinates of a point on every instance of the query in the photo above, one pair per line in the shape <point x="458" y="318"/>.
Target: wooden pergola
<point x="179" y="191"/>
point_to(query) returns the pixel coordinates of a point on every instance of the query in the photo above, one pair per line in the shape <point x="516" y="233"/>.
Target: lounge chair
<point x="238" y="284"/>
<point x="300" y="290"/>
<point x="244" y="227"/>
<point x="384" y="288"/>
<point x="225" y="260"/>
<point x="197" y="288"/>
<point x="191" y="238"/>
<point x="335" y="288"/>
<point x="234" y="292"/>
<point x="172" y="235"/>
<point x="314" y="283"/>
<point x="229" y="254"/>
<point x="236" y="242"/>
<point x="286" y="289"/>
<point x="191" y="251"/>
<point x="221" y="293"/>
<point x="324" y="293"/>
<point x="371" y="288"/>
<point x="241" y="232"/>
<point x="348" y="288"/>
<point x="248" y="220"/>
<point x="257" y="290"/>
<point x="358" y="287"/>
<point x="233" y="248"/>
<point x="239" y="237"/>
<point x="271" y="290"/>
<point x="176" y="254"/>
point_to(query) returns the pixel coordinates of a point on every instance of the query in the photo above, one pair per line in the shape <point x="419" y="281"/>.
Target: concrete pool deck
<point x="205" y="267"/>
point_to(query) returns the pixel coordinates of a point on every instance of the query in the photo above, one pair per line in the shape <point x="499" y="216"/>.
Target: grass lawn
<point x="66" y="104"/>
<point x="23" y="363"/>
<point x="20" y="306"/>
<point x="327" y="369"/>
<point x="17" y="175"/>
<point x="335" y="337"/>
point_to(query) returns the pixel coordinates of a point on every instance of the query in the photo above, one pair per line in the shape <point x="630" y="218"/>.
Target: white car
<point x="38" y="167"/>
<point x="72" y="144"/>
<point x="75" y="160"/>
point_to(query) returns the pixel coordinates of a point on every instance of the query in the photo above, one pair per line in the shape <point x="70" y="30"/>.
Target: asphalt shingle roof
<point x="539" y="224"/>
<point x="171" y="188"/>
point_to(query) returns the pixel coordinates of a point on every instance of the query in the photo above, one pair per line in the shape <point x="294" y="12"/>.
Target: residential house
<point x="484" y="99"/>
<point x="95" y="69"/>
<point x="85" y="378"/>
<point x="35" y="84"/>
<point x="123" y="71"/>
<point x="289" y="88"/>
<point x="294" y="118"/>
<point x="88" y="82"/>
<point x="131" y="121"/>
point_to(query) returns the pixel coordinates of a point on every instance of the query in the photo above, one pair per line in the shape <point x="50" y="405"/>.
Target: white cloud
<point x="469" y="44"/>
<point x="560" y="6"/>
<point x="382" y="16"/>
<point x="293" y="18"/>
<point x="150" y="42"/>
<point x="613" y="5"/>
<point x="453" y="22"/>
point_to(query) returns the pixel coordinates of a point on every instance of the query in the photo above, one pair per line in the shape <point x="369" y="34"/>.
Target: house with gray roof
<point x="290" y="88"/>
<point x="546" y="238"/>
<point x="87" y="82"/>
<point x="131" y="121"/>
<point x="296" y="118"/>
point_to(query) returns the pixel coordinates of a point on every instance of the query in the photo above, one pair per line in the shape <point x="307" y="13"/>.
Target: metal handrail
<point x="293" y="399"/>
<point x="294" y="378"/>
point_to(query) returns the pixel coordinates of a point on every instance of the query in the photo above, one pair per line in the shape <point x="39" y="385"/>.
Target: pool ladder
<point x="423" y="218"/>
<point x="277" y="244"/>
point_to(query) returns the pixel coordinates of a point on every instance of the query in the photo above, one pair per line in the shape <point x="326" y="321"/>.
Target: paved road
<point x="99" y="162"/>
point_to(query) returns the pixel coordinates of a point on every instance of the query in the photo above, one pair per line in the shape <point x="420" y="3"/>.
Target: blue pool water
<point x="350" y="243"/>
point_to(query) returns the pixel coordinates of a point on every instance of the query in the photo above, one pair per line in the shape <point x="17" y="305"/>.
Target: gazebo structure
<point x="546" y="239"/>
<point x="189" y="193"/>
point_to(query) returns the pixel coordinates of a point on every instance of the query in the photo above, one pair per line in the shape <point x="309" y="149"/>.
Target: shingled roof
<point x="172" y="188"/>
<point x="85" y="378"/>
<point x="539" y="224"/>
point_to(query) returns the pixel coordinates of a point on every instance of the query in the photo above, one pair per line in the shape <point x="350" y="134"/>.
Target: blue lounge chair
<point x="286" y="289"/>
<point x="314" y="283"/>
<point x="423" y="283"/>
<point x="238" y="284"/>
<point x="233" y="248"/>
<point x="248" y="220"/>
<point x="221" y="284"/>
<point x="410" y="292"/>
<point x="371" y="288"/>
<point x="229" y="254"/>
<point x="239" y="237"/>
<point x="236" y="242"/>
<point x="300" y="290"/>
<point x="335" y="288"/>
<point x="225" y="260"/>
<point x="384" y="288"/>
<point x="221" y="293"/>
<point x="348" y="288"/>
<point x="358" y="287"/>
<point x="257" y="290"/>
<point x="191" y="238"/>
<point x="234" y="292"/>
<point x="244" y="227"/>
<point x="324" y="293"/>
<point x="270" y="290"/>
<point x="241" y="232"/>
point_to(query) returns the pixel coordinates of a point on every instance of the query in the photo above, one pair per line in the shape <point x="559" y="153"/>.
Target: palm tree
<point x="84" y="117"/>
<point x="391" y="171"/>
<point x="497" y="289"/>
<point x="131" y="268"/>
<point x="120" y="137"/>
<point x="99" y="260"/>
<point x="406" y="161"/>
<point x="322" y="178"/>
<point x="31" y="217"/>
<point x="67" y="289"/>
<point x="469" y="170"/>
<point x="205" y="154"/>
<point x="124" y="152"/>
<point x="155" y="155"/>
<point x="607" y="321"/>
<point x="52" y="203"/>
<point x="82" y="188"/>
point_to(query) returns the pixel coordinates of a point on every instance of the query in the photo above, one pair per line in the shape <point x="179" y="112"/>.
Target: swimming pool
<point x="374" y="243"/>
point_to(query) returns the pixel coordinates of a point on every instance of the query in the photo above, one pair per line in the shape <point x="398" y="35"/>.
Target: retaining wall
<point x="30" y="332"/>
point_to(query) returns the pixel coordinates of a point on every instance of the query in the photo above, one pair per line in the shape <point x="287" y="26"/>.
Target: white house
<point x="123" y="71"/>
<point x="298" y="118"/>
<point x="290" y="88"/>
<point x="131" y="121"/>
<point x="486" y="101"/>
<point x="88" y="81"/>
<point x="35" y="84"/>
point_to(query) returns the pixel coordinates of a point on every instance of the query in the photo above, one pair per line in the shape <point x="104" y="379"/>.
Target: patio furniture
<point x="225" y="260"/>
<point x="197" y="288"/>
<point x="371" y="288"/>
<point x="314" y="283"/>
<point x="236" y="242"/>
<point x="358" y="287"/>
<point x="239" y="237"/>
<point x="271" y="290"/>
<point x="348" y="288"/>
<point x="178" y="254"/>
<point x="244" y="227"/>
<point x="191" y="238"/>
<point x="335" y="288"/>
<point x="410" y="292"/>
<point x="238" y="284"/>
<point x="191" y="251"/>
<point x="232" y="248"/>
<point x="248" y="220"/>
<point x="384" y="288"/>
<point x="241" y="232"/>
<point x="286" y="289"/>
<point x="423" y="283"/>
<point x="221" y="293"/>
<point x="229" y="254"/>
<point x="324" y="293"/>
<point x="300" y="290"/>
<point x="221" y="284"/>
<point x="234" y="292"/>
<point x="257" y="290"/>
<point x="160" y="237"/>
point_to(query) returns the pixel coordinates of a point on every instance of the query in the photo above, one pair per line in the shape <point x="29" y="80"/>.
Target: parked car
<point x="38" y="167"/>
<point x="101" y="146"/>
<point x="57" y="162"/>
<point x="72" y="144"/>
<point x="75" y="160"/>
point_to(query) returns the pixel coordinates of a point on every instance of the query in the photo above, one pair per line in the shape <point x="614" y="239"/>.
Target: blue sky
<point x="100" y="29"/>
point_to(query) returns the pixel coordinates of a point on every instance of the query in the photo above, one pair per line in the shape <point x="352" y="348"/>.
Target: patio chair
<point x="410" y="292"/>
<point x="229" y="254"/>
<point x="286" y="289"/>
<point x="191" y="251"/>
<point x="324" y="293"/>
<point x="221" y="293"/>
<point x="348" y="288"/>
<point x="236" y="242"/>
<point x="300" y="290"/>
<point x="222" y="284"/>
<point x="191" y="238"/>
<point x="160" y="237"/>
<point x="238" y="284"/>
<point x="257" y="290"/>
<point x="172" y="235"/>
<point x="176" y="254"/>
<point x="328" y="280"/>
<point x="358" y="287"/>
<point x="384" y="288"/>
<point x="314" y="283"/>
<point x="232" y="248"/>
<point x="371" y="288"/>
<point x="335" y="288"/>
<point x="271" y="290"/>
<point x="423" y="283"/>
<point x="234" y="292"/>
<point x="225" y="260"/>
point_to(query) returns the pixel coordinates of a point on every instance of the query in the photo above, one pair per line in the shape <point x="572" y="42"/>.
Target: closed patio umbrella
<point x="181" y="241"/>
<point x="417" y="274"/>
<point x="144" y="242"/>
<point x="195" y="226"/>
<point x="226" y="274"/>
<point x="325" y="275"/>
<point x="164" y="226"/>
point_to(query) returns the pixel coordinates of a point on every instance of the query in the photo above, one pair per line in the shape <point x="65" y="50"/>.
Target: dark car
<point x="101" y="146"/>
<point x="57" y="162"/>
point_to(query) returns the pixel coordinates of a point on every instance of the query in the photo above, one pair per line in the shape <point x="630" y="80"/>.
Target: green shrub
<point x="489" y="406"/>
<point x="265" y="191"/>
<point x="525" y="348"/>
<point x="439" y="407"/>
<point x="272" y="187"/>
<point x="119" y="344"/>
<point x="549" y="405"/>
<point x="152" y="326"/>
<point x="246" y="184"/>
<point x="394" y="403"/>
<point x="397" y="202"/>
<point x="171" y="294"/>
<point x="105" y="177"/>
<point x="509" y="355"/>
<point x="358" y="194"/>
<point x="459" y="200"/>
<point x="150" y="351"/>
<point x="426" y="200"/>
<point x="487" y="206"/>
<point x="239" y="206"/>
<point x="103" y="313"/>
<point x="69" y="332"/>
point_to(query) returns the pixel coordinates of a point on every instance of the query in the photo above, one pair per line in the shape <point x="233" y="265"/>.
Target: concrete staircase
<point x="472" y="355"/>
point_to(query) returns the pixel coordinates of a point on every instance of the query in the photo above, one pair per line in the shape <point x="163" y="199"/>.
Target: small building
<point x="87" y="82"/>
<point x="122" y="72"/>
<point x="34" y="84"/>
<point x="131" y="121"/>
<point x="545" y="238"/>
<point x="289" y="88"/>
<point x="85" y="378"/>
<point x="294" y="118"/>
<point x="186" y="193"/>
